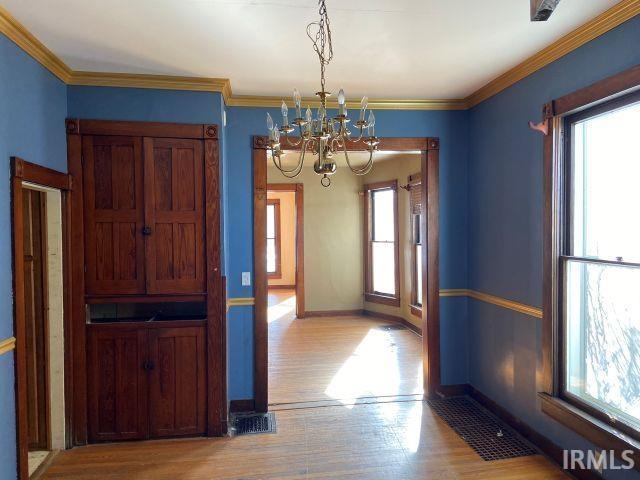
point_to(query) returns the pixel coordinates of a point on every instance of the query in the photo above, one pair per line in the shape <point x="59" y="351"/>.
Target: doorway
<point x="39" y="197"/>
<point x="364" y="331"/>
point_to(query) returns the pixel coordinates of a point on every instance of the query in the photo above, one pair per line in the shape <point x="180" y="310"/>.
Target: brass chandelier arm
<point x="359" y="171"/>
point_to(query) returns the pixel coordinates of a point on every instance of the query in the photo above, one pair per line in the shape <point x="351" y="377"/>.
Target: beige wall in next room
<point x="333" y="277"/>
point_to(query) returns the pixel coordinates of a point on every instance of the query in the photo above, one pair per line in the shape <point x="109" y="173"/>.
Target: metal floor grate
<point x="255" y="423"/>
<point x="485" y="434"/>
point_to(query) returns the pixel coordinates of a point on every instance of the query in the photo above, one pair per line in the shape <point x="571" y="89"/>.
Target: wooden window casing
<point x="277" y="238"/>
<point x="369" y="228"/>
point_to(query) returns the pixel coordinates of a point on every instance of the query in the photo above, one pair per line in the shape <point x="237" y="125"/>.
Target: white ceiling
<point x="386" y="49"/>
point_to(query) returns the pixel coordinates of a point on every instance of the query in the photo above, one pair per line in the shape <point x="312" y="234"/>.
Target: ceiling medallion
<point x="323" y="136"/>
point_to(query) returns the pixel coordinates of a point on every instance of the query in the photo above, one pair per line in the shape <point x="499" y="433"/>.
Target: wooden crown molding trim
<point x="606" y="21"/>
<point x="240" y="301"/>
<point x="162" y="82"/>
<point x="18" y="34"/>
<point x="7" y="345"/>
<point x="616" y="15"/>
<point x="493" y="300"/>
<point x="374" y="103"/>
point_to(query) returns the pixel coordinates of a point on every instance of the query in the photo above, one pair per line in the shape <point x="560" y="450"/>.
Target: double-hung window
<point x="381" y="255"/>
<point x="591" y="319"/>
<point x="273" y="238"/>
<point x="600" y="261"/>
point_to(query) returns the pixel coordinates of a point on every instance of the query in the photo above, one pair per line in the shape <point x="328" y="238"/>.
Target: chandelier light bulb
<point x="308" y="115"/>
<point x="297" y="102"/>
<point x="372" y="123"/>
<point x="269" y="122"/>
<point x="285" y="114"/>
<point x="363" y="106"/>
<point x="341" y="97"/>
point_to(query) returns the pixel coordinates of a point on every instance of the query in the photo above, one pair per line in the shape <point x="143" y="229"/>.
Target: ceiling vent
<point x="541" y="10"/>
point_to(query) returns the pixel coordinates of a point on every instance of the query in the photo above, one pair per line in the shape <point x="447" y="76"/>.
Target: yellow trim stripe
<point x="7" y="345"/>
<point x="15" y="31"/>
<point x="239" y="301"/>
<point x="492" y="299"/>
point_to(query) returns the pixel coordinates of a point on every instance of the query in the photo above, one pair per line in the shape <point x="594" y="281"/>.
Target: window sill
<point x="589" y="427"/>
<point x="383" y="299"/>
<point x="416" y="310"/>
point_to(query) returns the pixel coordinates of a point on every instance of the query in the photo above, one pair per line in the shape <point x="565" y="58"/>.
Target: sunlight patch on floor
<point x="372" y="370"/>
<point x="281" y="308"/>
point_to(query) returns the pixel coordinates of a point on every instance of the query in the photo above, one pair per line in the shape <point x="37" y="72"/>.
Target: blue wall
<point x="453" y="129"/>
<point x="32" y="113"/>
<point x="505" y="223"/>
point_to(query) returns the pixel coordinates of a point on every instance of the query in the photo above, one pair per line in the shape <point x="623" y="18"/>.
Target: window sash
<point x="566" y="254"/>
<point x="371" y="294"/>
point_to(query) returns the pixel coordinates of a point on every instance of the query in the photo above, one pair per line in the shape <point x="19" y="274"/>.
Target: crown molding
<point x="163" y="82"/>
<point x="606" y="21"/>
<point x="7" y="345"/>
<point x="18" y="34"/>
<point x="616" y="15"/>
<point x="374" y="103"/>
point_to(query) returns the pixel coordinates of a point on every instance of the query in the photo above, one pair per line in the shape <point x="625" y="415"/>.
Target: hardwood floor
<point x="338" y="358"/>
<point x="381" y="441"/>
<point x="318" y="362"/>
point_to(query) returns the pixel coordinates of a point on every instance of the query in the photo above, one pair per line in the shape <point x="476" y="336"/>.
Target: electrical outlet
<point x="246" y="279"/>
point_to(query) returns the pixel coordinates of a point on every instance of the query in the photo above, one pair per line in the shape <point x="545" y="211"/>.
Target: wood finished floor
<point x="365" y="441"/>
<point x="337" y="358"/>
<point x="384" y="441"/>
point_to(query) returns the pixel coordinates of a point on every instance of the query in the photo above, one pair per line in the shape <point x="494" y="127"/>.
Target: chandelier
<point x="323" y="135"/>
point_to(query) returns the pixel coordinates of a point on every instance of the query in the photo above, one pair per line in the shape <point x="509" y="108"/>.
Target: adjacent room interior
<point x="355" y="340"/>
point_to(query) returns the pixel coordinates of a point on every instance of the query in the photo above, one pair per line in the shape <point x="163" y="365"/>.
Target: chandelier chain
<point x="322" y="39"/>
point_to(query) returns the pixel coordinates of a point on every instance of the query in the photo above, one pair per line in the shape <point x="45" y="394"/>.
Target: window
<point x="381" y="228"/>
<point x="273" y="238"/>
<point x="600" y="262"/>
<point x="415" y="211"/>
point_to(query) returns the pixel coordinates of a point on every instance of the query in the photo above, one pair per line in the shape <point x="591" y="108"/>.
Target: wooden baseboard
<point x="394" y="318"/>
<point x="549" y="448"/>
<point x="281" y="287"/>
<point x="332" y="313"/>
<point x="454" y="390"/>
<point x="244" y="405"/>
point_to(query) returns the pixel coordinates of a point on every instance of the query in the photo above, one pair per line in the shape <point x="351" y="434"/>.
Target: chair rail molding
<point x="493" y="300"/>
<point x="7" y="345"/>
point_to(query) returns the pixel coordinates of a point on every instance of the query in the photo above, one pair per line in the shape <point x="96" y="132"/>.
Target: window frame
<point x="277" y="274"/>
<point x="558" y="116"/>
<point x="415" y="220"/>
<point x="369" y="294"/>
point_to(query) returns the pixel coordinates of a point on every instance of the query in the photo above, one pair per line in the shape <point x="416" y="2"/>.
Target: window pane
<point x="603" y="338"/>
<point x="418" y="268"/>
<point x="271" y="221"/>
<point x="605" y="173"/>
<point x="271" y="255"/>
<point x="383" y="216"/>
<point x="384" y="271"/>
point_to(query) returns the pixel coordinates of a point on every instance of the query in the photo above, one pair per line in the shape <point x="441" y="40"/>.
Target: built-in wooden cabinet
<point x="147" y="301"/>
<point x="147" y="380"/>
<point x="144" y="215"/>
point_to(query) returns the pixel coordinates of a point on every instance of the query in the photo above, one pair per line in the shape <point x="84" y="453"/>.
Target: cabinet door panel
<point x="174" y="211"/>
<point x="177" y="383"/>
<point x="117" y="384"/>
<point x="114" y="215"/>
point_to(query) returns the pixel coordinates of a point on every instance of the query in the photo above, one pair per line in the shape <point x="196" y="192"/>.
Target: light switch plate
<point x="246" y="279"/>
